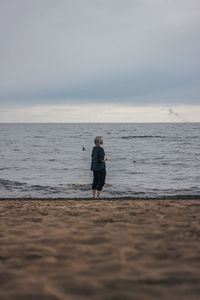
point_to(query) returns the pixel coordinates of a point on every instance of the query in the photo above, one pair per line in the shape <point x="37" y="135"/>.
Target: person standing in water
<point x="98" y="167"/>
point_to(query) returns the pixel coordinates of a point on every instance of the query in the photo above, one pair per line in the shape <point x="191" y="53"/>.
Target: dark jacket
<point x="98" y="155"/>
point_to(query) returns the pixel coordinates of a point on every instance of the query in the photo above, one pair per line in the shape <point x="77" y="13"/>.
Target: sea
<point x="144" y="160"/>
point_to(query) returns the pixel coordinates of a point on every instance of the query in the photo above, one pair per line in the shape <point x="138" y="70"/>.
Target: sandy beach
<point x="107" y="249"/>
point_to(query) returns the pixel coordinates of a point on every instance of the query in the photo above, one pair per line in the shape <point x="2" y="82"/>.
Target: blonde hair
<point x="98" y="140"/>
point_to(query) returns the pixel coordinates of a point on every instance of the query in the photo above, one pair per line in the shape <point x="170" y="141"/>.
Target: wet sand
<point x="120" y="249"/>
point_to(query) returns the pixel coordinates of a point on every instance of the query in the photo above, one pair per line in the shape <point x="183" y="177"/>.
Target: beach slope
<point x="116" y="249"/>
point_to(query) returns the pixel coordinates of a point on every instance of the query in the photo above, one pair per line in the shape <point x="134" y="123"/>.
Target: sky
<point x="99" y="61"/>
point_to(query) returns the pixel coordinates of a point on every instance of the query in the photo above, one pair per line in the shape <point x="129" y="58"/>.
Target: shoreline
<point x="175" y="197"/>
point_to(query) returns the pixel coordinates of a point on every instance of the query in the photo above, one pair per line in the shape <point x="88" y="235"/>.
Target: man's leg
<point x="94" y="184"/>
<point x="98" y="194"/>
<point x="101" y="182"/>
<point x="94" y="192"/>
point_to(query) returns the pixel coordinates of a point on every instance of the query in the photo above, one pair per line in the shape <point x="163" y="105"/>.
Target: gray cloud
<point x="171" y="112"/>
<point x="176" y="114"/>
<point x="131" y="51"/>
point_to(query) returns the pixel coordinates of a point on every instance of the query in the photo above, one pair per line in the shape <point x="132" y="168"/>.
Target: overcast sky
<point x="77" y="53"/>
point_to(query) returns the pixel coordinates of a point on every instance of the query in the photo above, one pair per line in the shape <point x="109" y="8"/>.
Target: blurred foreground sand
<point x="120" y="249"/>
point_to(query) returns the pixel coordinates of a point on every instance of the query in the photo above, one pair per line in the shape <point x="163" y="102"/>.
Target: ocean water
<point x="144" y="160"/>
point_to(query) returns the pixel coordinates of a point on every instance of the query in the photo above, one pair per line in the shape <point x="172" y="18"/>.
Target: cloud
<point x="132" y="51"/>
<point x="172" y="112"/>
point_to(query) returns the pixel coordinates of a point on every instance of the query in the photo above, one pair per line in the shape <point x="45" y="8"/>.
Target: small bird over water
<point x="83" y="148"/>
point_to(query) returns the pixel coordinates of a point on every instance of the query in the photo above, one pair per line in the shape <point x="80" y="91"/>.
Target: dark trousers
<point x="99" y="179"/>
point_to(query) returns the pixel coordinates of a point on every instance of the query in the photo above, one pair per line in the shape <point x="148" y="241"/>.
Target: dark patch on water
<point x="9" y="183"/>
<point x="143" y="137"/>
<point x="81" y="187"/>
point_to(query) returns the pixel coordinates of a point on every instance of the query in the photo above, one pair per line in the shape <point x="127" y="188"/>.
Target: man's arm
<point x="102" y="156"/>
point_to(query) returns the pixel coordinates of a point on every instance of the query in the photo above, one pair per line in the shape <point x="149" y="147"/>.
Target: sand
<point x="116" y="249"/>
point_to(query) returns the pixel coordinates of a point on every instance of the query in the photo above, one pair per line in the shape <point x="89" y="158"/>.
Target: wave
<point x="143" y="137"/>
<point x="39" y="136"/>
<point x="9" y="188"/>
<point x="159" y="137"/>
<point x="82" y="187"/>
<point x="9" y="183"/>
<point x="12" y="185"/>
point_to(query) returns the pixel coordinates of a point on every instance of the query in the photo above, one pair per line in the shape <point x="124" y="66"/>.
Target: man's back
<point x="97" y="158"/>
